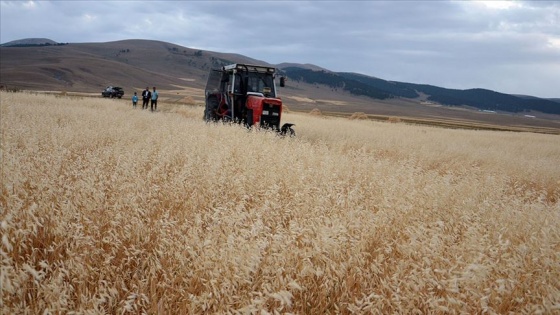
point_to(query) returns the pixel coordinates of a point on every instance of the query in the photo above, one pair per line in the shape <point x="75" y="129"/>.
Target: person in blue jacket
<point x="134" y="100"/>
<point x="154" y="100"/>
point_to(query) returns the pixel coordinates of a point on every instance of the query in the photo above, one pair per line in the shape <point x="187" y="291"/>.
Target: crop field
<point x="107" y="209"/>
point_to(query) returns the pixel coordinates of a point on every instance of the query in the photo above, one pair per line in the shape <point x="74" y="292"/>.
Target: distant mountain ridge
<point x="303" y="66"/>
<point x="376" y="88"/>
<point x="31" y="42"/>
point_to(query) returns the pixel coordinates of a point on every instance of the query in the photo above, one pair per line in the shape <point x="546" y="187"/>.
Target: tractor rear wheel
<point x="210" y="110"/>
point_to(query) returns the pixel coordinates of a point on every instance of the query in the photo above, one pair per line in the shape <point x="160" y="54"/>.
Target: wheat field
<point x="107" y="209"/>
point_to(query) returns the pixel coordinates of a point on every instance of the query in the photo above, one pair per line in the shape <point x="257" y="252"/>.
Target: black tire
<point x="292" y="132"/>
<point x="287" y="130"/>
<point x="210" y="109"/>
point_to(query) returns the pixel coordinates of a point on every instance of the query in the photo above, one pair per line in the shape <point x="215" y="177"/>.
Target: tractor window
<point x="213" y="83"/>
<point x="257" y="83"/>
<point x="237" y="87"/>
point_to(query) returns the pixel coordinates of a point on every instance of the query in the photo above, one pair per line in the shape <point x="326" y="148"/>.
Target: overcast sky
<point x="507" y="46"/>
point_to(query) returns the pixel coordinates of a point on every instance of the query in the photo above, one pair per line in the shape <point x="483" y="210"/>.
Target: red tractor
<point x="245" y="94"/>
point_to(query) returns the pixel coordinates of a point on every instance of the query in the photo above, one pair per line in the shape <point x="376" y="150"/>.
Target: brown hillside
<point x="89" y="67"/>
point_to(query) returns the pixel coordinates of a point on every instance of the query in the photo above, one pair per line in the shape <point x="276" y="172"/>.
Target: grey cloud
<point x="457" y="44"/>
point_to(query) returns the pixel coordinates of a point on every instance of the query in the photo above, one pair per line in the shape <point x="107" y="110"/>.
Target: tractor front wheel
<point x="287" y="130"/>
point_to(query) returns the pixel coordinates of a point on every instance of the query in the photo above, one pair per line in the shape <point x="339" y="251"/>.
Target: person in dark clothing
<point x="146" y="96"/>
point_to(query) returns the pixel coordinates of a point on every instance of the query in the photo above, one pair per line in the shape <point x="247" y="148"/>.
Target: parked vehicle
<point x="245" y="94"/>
<point x="113" y="91"/>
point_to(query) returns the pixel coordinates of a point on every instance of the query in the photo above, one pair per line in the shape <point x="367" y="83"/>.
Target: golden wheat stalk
<point x="106" y="209"/>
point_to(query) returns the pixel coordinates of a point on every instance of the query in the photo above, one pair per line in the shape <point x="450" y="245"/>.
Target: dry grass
<point x="394" y="120"/>
<point x="105" y="209"/>
<point x="315" y="112"/>
<point x="358" y="115"/>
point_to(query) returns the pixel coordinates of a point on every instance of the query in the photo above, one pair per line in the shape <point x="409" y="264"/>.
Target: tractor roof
<point x="249" y="68"/>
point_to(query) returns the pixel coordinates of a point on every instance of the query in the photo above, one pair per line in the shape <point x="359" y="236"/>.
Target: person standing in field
<point x="146" y="96"/>
<point x="134" y="100"/>
<point x="154" y="100"/>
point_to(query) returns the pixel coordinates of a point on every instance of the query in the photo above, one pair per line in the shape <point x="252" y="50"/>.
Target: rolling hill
<point x="42" y="64"/>
<point x="89" y="67"/>
<point x="28" y="42"/>
<point x="482" y="99"/>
